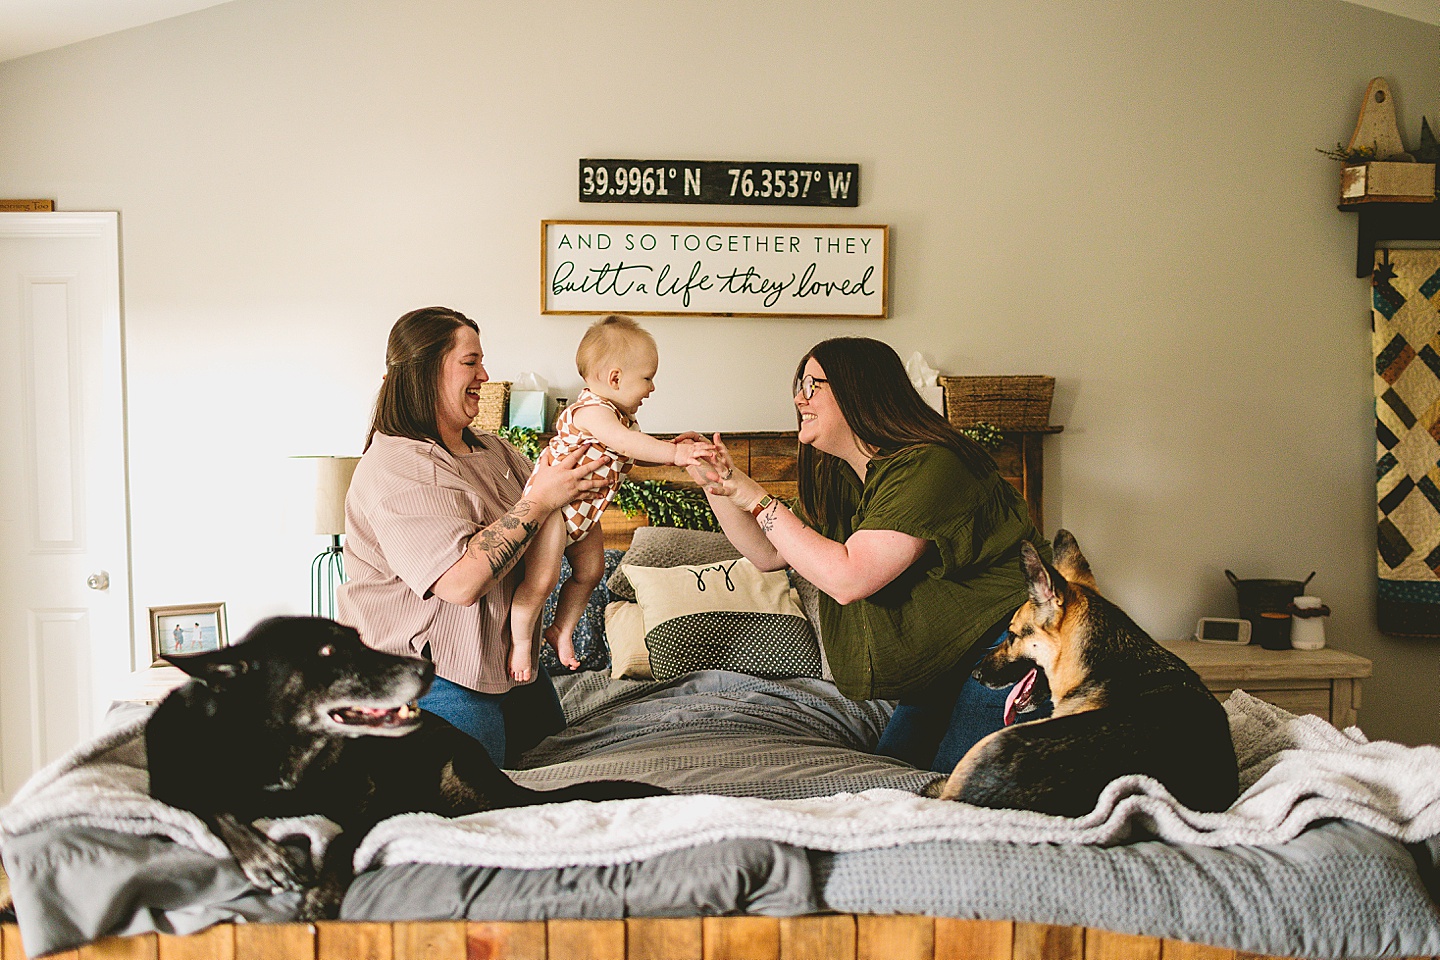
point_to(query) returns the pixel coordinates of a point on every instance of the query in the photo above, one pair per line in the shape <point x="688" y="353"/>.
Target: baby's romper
<point x="584" y="512"/>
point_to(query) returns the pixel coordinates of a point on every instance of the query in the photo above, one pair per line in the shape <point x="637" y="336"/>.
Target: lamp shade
<point x="332" y="480"/>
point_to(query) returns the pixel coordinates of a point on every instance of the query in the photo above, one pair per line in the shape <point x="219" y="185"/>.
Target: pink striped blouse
<point x="410" y="512"/>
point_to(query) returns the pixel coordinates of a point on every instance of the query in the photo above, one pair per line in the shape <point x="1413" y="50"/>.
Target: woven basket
<point x="1010" y="403"/>
<point x="494" y="404"/>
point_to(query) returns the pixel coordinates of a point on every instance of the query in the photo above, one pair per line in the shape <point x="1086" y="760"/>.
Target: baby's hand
<point x="691" y="452"/>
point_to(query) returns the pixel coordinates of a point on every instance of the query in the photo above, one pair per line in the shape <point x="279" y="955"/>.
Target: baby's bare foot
<point x="520" y="662"/>
<point x="564" y="647"/>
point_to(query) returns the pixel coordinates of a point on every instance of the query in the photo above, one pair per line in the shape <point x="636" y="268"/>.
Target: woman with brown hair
<point x="435" y="526"/>
<point x="911" y="535"/>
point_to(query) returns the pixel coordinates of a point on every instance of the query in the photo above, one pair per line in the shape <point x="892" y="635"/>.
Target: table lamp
<point x="327" y="570"/>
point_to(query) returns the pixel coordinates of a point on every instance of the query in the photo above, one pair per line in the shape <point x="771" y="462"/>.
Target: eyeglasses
<point x="807" y="385"/>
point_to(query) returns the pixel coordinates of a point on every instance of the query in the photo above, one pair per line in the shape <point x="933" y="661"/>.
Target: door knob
<point x="98" y="581"/>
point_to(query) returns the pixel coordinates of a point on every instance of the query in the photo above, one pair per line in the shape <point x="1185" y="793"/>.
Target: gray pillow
<point x="668" y="547"/>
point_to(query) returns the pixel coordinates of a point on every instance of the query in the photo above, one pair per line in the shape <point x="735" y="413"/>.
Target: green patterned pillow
<point x="725" y="615"/>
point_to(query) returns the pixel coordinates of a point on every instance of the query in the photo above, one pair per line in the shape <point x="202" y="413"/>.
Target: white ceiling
<point x="1426" y="11"/>
<point x="30" y="26"/>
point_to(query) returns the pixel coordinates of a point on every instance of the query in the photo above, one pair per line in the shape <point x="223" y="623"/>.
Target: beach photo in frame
<point x="666" y="268"/>
<point x="186" y="629"/>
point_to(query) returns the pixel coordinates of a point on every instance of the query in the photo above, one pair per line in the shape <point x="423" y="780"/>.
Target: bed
<point x="787" y="837"/>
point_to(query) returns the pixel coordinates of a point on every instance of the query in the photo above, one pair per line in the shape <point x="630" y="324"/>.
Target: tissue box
<point x="527" y="409"/>
<point x="934" y="396"/>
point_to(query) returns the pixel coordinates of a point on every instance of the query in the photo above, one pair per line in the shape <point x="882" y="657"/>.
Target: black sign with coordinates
<point x="720" y="181"/>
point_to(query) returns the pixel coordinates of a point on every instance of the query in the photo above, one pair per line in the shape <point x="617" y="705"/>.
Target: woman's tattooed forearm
<point x="767" y="519"/>
<point x="501" y="543"/>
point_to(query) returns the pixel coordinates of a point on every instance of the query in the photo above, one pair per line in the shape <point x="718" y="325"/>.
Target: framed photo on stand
<point x="191" y="628"/>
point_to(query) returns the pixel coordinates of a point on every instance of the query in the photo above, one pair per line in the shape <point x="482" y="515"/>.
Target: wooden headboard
<point x="769" y="457"/>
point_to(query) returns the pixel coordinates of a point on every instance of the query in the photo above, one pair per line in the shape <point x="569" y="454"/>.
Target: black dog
<point x="300" y="717"/>
<point x="1123" y="705"/>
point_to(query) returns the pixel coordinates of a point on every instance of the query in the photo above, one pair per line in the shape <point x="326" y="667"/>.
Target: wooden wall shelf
<point x="1390" y="221"/>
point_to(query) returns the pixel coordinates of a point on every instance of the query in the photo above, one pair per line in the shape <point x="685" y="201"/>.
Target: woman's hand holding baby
<point x="557" y="483"/>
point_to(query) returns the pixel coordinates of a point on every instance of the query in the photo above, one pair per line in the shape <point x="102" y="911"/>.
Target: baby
<point x="617" y="360"/>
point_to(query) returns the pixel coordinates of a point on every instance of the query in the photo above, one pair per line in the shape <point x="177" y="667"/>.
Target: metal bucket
<point x="1266" y="604"/>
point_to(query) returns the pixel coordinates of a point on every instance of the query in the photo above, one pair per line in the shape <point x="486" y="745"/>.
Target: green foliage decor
<point x="986" y="434"/>
<point x="666" y="504"/>
<point x="671" y="505"/>
<point x="1347" y="155"/>
<point x="524" y="439"/>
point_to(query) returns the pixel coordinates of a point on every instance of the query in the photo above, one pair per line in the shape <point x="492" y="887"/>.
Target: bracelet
<point x="761" y="506"/>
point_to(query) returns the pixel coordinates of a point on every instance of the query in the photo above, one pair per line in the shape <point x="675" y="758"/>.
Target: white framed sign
<point x="657" y="268"/>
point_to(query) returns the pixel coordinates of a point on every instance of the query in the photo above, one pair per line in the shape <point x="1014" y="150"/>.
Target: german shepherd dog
<point x="1123" y="705"/>
<point x="300" y="717"/>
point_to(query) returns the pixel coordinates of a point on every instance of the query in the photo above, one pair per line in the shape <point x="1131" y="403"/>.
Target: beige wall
<point x="1125" y="195"/>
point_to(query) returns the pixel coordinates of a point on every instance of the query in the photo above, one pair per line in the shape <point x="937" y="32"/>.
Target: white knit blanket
<point x="1294" y="771"/>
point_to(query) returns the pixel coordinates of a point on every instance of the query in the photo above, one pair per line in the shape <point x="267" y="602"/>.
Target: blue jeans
<point x="506" y="724"/>
<point x="934" y="728"/>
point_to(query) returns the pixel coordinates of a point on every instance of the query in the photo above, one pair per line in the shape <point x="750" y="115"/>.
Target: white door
<point x="65" y="619"/>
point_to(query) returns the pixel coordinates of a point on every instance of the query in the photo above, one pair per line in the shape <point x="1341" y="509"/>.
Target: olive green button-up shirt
<point x="923" y="622"/>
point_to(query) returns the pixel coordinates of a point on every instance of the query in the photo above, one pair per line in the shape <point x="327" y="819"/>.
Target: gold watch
<point x="761" y="505"/>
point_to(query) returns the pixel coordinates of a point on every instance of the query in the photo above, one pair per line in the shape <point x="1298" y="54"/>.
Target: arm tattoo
<point x="504" y="557"/>
<point x="498" y="544"/>
<point x="767" y="520"/>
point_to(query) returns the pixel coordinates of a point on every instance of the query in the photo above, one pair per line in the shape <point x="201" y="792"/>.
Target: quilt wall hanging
<point x="1406" y="336"/>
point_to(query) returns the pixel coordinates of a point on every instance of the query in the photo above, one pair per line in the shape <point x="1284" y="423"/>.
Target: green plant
<point x="666" y="504"/>
<point x="986" y="434"/>
<point x="1346" y="155"/>
<point x="524" y="439"/>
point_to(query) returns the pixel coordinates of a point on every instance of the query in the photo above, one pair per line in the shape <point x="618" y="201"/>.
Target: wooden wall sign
<point x="714" y="269"/>
<point x="749" y="183"/>
<point x="27" y="206"/>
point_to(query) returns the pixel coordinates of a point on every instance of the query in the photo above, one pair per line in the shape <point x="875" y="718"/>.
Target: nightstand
<point x="1324" y="682"/>
<point x="152" y="684"/>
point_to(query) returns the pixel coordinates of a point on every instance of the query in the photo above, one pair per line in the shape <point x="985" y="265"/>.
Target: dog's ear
<point x="1070" y="561"/>
<point x="211" y="666"/>
<point x="1044" y="591"/>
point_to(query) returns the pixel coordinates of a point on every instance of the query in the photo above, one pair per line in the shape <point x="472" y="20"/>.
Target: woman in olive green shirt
<point x="910" y="533"/>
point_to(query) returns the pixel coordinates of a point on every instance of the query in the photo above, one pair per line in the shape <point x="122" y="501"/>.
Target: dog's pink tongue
<point x="1019" y="696"/>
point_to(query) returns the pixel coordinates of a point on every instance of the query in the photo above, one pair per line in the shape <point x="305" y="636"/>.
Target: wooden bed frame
<point x="823" y="937"/>
<point x="770" y="458"/>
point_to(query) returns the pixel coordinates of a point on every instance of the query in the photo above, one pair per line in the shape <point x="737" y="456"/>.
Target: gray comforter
<point x="1337" y="890"/>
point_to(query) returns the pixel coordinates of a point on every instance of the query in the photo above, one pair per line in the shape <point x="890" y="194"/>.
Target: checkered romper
<point x="584" y="513"/>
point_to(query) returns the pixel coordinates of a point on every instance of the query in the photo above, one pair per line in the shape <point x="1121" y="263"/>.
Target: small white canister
<point x="1307" y="623"/>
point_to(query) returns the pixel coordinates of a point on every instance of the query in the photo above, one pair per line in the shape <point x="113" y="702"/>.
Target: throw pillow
<point x="668" y="547"/>
<point x="625" y="633"/>
<point x="725" y="615"/>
